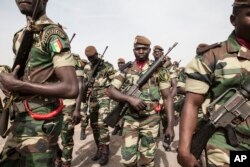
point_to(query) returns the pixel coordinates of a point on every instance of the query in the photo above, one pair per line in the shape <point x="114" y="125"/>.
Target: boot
<point x="105" y="155"/>
<point x="116" y="129"/>
<point x="97" y="154"/>
<point x="83" y="135"/>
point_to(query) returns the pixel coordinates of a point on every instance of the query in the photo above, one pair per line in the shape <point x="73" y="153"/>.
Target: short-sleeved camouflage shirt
<point x="104" y="76"/>
<point x="225" y="66"/>
<point x="151" y="90"/>
<point x="50" y="49"/>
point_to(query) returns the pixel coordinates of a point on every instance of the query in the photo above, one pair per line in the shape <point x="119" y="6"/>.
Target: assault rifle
<point x="120" y="109"/>
<point x="125" y="66"/>
<point x="234" y="111"/>
<point x="91" y="79"/>
<point x="21" y="59"/>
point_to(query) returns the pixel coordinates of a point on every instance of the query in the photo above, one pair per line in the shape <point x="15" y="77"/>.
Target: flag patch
<point x="56" y="46"/>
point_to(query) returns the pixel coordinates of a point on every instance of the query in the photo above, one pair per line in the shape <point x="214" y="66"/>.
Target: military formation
<point x="49" y="90"/>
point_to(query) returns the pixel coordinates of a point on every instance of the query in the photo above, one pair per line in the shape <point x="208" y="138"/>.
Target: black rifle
<point x="120" y="109"/>
<point x="91" y="80"/>
<point x="234" y="111"/>
<point x="125" y="66"/>
<point x="72" y="37"/>
<point x="21" y="59"/>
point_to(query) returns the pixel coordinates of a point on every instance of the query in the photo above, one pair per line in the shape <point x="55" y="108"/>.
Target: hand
<point x="170" y="133"/>
<point x="186" y="159"/>
<point x="10" y="80"/>
<point x="76" y="117"/>
<point x="137" y="103"/>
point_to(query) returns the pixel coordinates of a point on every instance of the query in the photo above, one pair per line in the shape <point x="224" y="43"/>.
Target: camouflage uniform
<point x="179" y="98"/>
<point x="141" y="128"/>
<point x="67" y="131"/>
<point x="215" y="69"/>
<point x="32" y="142"/>
<point x="84" y="107"/>
<point x="173" y="73"/>
<point x="100" y="105"/>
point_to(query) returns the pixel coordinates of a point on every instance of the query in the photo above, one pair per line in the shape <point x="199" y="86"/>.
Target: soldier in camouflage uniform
<point x="141" y="121"/>
<point x="215" y="69"/>
<point x="49" y="75"/>
<point x="158" y="51"/>
<point x="71" y="117"/>
<point x="119" y="127"/>
<point x="84" y="107"/>
<point x="99" y="104"/>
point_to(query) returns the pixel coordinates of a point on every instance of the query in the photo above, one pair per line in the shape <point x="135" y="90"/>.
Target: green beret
<point x="121" y="60"/>
<point x="142" y="40"/>
<point x="158" y="47"/>
<point x="90" y="51"/>
<point x="241" y="3"/>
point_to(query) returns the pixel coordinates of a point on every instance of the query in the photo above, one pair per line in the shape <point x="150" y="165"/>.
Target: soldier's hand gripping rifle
<point x="119" y="110"/>
<point x="21" y="59"/>
<point x="91" y="80"/>
<point x="234" y="111"/>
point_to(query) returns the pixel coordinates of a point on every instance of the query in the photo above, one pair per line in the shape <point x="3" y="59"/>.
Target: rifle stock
<point x="118" y="112"/>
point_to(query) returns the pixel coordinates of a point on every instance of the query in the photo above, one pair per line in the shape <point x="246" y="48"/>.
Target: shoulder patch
<point x="202" y="48"/>
<point x="54" y="30"/>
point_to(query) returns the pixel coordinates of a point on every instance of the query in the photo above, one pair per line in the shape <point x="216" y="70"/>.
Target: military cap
<point x="158" y="47"/>
<point x="121" y="60"/>
<point x="142" y="40"/>
<point x="90" y="51"/>
<point x="241" y="3"/>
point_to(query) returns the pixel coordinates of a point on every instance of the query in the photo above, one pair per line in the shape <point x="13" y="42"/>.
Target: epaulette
<point x="202" y="48"/>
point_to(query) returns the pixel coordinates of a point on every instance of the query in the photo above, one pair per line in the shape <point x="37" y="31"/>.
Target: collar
<point x="233" y="46"/>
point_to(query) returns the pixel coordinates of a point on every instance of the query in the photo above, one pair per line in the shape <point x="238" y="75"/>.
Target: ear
<point x="149" y="50"/>
<point x="232" y="19"/>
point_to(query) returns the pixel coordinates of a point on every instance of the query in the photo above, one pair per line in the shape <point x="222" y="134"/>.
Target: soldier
<point x="49" y="75"/>
<point x="84" y="106"/>
<point x="215" y="69"/>
<point x="141" y="121"/>
<point x="99" y="104"/>
<point x="71" y="117"/>
<point x="119" y="127"/>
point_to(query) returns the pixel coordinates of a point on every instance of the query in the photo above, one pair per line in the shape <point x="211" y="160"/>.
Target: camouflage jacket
<point x="104" y="76"/>
<point x="46" y="52"/>
<point x="151" y="90"/>
<point x="79" y="73"/>
<point x="217" y="68"/>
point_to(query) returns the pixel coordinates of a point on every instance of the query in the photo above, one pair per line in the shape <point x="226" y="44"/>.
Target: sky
<point x="115" y="23"/>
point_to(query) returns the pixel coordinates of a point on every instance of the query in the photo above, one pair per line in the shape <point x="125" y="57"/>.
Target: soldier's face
<point x="27" y="7"/>
<point x="157" y="54"/>
<point x="241" y="22"/>
<point x="141" y="52"/>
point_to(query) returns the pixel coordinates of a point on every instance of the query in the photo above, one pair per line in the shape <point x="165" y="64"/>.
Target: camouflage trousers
<point x="31" y="143"/>
<point x="84" y="119"/>
<point x="67" y="134"/>
<point x="100" y="108"/>
<point x="140" y="140"/>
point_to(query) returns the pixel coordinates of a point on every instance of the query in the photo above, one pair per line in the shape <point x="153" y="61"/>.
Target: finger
<point x="16" y="70"/>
